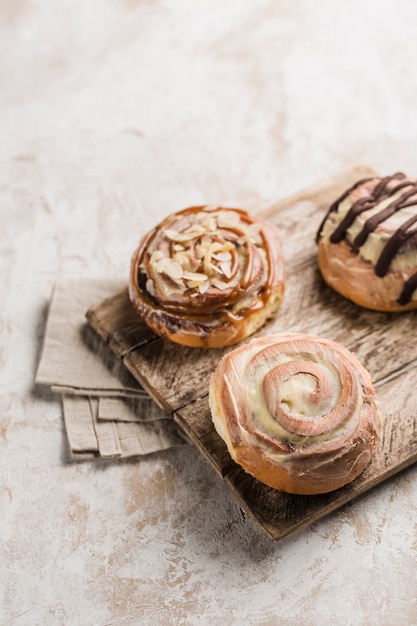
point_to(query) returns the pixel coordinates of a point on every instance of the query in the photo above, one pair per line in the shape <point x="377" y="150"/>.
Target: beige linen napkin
<point x="106" y="412"/>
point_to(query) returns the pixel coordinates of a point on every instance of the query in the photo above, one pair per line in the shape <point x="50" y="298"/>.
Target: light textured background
<point x="114" y="113"/>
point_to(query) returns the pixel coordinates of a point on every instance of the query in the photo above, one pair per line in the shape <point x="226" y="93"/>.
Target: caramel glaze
<point x="215" y="304"/>
<point x="384" y="189"/>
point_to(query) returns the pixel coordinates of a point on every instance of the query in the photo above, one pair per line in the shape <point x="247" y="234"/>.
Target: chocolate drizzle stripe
<point x="333" y="208"/>
<point x="409" y="288"/>
<point x="385" y="181"/>
<point x="374" y="221"/>
<point x="400" y="237"/>
<point x="377" y="195"/>
<point x="362" y="205"/>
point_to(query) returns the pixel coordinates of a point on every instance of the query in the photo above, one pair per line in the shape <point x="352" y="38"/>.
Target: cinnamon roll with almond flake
<point x="208" y="276"/>
<point x="297" y="412"/>
<point x="367" y="244"/>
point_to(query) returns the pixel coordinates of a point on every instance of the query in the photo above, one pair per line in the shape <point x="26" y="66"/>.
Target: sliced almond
<point x="171" y="288"/>
<point x="226" y="268"/>
<point x="222" y="256"/>
<point x="195" y="276"/>
<point x="216" y="246"/>
<point x="174" y="270"/>
<point x="207" y="265"/>
<point x="150" y="287"/>
<point x="219" y="284"/>
<point x="170" y="268"/>
<point x="195" y="230"/>
<point x="187" y="235"/>
<point x="156" y="255"/>
<point x="210" y="223"/>
<point x="201" y="251"/>
<point x="204" y="287"/>
<point x="228" y="219"/>
<point x="254" y="234"/>
<point x="171" y="234"/>
<point x="215" y="268"/>
<point x="193" y="265"/>
<point x="182" y="259"/>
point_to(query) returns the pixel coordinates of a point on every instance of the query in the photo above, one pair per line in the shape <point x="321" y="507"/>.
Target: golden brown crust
<point x="355" y="279"/>
<point x="297" y="412"/>
<point x="208" y="276"/>
<point x="371" y="258"/>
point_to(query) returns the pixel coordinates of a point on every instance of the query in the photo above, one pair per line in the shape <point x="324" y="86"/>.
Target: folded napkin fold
<point x="106" y="412"/>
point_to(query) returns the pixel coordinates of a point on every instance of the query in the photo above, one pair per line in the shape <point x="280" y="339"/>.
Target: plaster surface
<point x="113" y="114"/>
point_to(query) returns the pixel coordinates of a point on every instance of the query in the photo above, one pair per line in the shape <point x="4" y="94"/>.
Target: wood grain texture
<point x="117" y="323"/>
<point x="178" y="377"/>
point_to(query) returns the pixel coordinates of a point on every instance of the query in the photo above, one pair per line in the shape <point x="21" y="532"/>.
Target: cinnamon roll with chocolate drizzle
<point x="208" y="276"/>
<point x="367" y="243"/>
<point x="297" y="412"/>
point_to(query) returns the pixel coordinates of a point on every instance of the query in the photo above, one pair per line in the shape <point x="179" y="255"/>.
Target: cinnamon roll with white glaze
<point x="367" y="244"/>
<point x="297" y="412"/>
<point x="208" y="276"/>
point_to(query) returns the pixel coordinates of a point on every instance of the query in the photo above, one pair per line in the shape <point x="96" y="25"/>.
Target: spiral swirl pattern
<point x="205" y="273"/>
<point x="297" y="412"/>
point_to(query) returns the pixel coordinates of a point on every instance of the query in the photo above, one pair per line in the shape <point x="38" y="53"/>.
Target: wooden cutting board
<point x="178" y="377"/>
